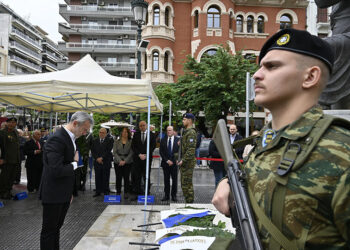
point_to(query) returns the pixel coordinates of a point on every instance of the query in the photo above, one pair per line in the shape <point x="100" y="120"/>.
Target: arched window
<point x="230" y="20"/>
<point x="145" y="62"/>
<point x="285" y="21"/>
<point x="156" y="15"/>
<point x="250" y="24"/>
<point x="213" y="17"/>
<point x="196" y="19"/>
<point x="239" y="23"/>
<point x="155" y="60"/>
<point x="166" y="62"/>
<point x="166" y="16"/>
<point x="261" y="24"/>
<point x="211" y="52"/>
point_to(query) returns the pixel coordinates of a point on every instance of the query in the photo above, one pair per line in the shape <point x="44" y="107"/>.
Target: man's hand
<point x="121" y="163"/>
<point x="170" y="163"/>
<point x="220" y="198"/>
<point x="99" y="160"/>
<point x="76" y="156"/>
<point x="38" y="151"/>
<point x="2" y="161"/>
<point x="142" y="157"/>
<point x="179" y="163"/>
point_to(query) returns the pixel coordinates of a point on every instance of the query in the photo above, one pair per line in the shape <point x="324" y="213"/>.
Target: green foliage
<point x="205" y="221"/>
<point x="215" y="85"/>
<point x="98" y="119"/>
<point x="210" y="232"/>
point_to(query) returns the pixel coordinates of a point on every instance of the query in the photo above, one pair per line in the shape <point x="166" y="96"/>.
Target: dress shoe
<point x="165" y="198"/>
<point x="97" y="194"/>
<point x="174" y="198"/>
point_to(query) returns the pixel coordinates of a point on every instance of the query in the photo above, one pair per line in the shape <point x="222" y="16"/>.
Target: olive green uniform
<point x="315" y="204"/>
<point x="84" y="145"/>
<point x="188" y="148"/>
<point x="11" y="155"/>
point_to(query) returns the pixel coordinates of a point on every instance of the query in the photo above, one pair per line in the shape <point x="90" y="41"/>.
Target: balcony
<point x="53" y="57"/>
<point x="49" y="66"/>
<point x="108" y="66"/>
<point x="96" y="48"/>
<point x="22" y="25"/>
<point x="25" y="51"/>
<point x="44" y="43"/>
<point x="24" y="63"/>
<point x="94" y="11"/>
<point x="25" y="39"/>
<point x="98" y="29"/>
<point x="158" y="31"/>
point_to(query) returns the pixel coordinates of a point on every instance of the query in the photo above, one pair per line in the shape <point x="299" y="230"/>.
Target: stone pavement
<point x="20" y="221"/>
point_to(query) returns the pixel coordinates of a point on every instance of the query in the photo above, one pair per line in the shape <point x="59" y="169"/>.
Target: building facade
<point x="318" y="22"/>
<point x="104" y="29"/>
<point x="176" y="29"/>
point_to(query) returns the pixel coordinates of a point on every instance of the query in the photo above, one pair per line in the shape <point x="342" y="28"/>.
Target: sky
<point x="43" y="13"/>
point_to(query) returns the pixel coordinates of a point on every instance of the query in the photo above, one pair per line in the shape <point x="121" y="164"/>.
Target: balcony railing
<point x="26" y="38"/>
<point x="100" y="46"/>
<point x="25" y="62"/>
<point x="50" y="64"/>
<point x="26" y="50"/>
<point x="122" y="66"/>
<point x="102" y="27"/>
<point x="98" y="8"/>
<point x="53" y="55"/>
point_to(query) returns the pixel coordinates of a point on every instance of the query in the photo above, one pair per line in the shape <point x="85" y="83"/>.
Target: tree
<point x="215" y="85"/>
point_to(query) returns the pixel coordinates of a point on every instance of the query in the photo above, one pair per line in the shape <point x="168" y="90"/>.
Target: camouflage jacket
<point x="316" y="208"/>
<point x="188" y="145"/>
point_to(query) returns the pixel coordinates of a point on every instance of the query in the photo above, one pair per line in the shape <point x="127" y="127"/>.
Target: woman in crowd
<point x="122" y="161"/>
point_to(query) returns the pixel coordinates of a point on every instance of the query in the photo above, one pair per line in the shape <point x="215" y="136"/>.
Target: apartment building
<point x="3" y="61"/>
<point x="22" y="41"/>
<point x="104" y="29"/>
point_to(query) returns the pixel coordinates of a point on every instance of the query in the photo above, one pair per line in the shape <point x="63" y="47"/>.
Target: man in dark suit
<point x="34" y="162"/>
<point x="234" y="136"/>
<point x="139" y="147"/>
<point x="60" y="160"/>
<point x="168" y="147"/>
<point x="101" y="151"/>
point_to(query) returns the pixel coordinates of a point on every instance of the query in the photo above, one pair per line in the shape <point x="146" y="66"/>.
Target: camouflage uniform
<point x="316" y="208"/>
<point x="188" y="148"/>
<point x="84" y="145"/>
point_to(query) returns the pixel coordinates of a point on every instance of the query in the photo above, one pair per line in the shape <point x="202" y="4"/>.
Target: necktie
<point x="143" y="137"/>
<point x="169" y="147"/>
<point x="38" y="144"/>
<point x="101" y="141"/>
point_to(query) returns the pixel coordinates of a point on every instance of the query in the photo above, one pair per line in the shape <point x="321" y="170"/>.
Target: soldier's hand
<point x="221" y="196"/>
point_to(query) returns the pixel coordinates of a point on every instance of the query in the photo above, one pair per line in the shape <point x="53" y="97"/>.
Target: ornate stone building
<point x="176" y="28"/>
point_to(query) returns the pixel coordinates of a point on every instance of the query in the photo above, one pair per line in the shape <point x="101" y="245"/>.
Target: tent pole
<point x="148" y="153"/>
<point x="50" y="122"/>
<point x="56" y="119"/>
<point x="160" y="138"/>
<point x="170" y="112"/>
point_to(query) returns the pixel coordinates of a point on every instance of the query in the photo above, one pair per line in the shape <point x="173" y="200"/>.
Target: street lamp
<point x="139" y="8"/>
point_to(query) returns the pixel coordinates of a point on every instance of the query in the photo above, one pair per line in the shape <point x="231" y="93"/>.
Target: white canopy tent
<point x="83" y="86"/>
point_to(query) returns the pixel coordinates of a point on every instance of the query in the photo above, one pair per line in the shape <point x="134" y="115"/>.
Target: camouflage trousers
<point x="186" y="171"/>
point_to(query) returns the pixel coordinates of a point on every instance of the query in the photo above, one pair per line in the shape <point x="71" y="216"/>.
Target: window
<point x="166" y="16"/>
<point x="322" y="15"/>
<point x="213" y="17"/>
<point x="155" y="59"/>
<point x="211" y="52"/>
<point x="250" y="23"/>
<point x="239" y="23"/>
<point x="285" y="21"/>
<point x="230" y="20"/>
<point x="196" y="19"/>
<point x="261" y="27"/>
<point x="166" y="62"/>
<point x="250" y="57"/>
<point x="156" y="15"/>
<point x="145" y="62"/>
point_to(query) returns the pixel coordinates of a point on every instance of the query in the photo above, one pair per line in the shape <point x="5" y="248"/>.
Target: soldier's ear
<point x="312" y="76"/>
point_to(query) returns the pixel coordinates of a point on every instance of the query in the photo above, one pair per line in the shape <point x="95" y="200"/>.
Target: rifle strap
<point x="270" y="227"/>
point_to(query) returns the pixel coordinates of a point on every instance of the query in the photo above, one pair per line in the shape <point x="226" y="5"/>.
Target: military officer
<point x="304" y="194"/>
<point x="188" y="158"/>
<point x="10" y="156"/>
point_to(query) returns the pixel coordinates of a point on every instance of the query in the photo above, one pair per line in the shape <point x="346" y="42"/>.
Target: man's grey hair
<point x="81" y="117"/>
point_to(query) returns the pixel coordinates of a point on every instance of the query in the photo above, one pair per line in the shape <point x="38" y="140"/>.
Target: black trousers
<point x="34" y="177"/>
<point x="53" y="218"/>
<point x="7" y="176"/>
<point x="102" y="173"/>
<point x="122" y="172"/>
<point x="170" y="171"/>
<point x="139" y="174"/>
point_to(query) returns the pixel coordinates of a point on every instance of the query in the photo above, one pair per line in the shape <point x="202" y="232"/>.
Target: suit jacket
<point x="214" y="153"/>
<point x="122" y="153"/>
<point x="139" y="147"/>
<point x="33" y="160"/>
<point x="103" y="150"/>
<point x="239" y="151"/>
<point x="163" y="150"/>
<point x="57" y="181"/>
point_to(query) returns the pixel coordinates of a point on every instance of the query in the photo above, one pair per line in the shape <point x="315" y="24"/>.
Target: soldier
<point x="11" y="157"/>
<point x="84" y="145"/>
<point x="188" y="159"/>
<point x="298" y="176"/>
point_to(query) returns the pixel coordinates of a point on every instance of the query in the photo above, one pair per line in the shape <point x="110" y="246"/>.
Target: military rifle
<point x="240" y="209"/>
